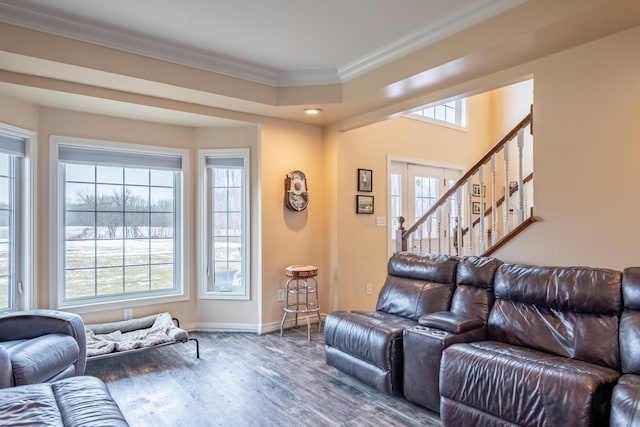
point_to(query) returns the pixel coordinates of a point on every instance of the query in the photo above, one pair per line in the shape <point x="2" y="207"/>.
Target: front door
<point x="414" y="190"/>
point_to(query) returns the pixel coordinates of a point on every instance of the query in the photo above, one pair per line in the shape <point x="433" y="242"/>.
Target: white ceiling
<point x="277" y="42"/>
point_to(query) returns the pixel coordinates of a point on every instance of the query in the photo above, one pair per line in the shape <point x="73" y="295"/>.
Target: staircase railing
<point x="465" y="219"/>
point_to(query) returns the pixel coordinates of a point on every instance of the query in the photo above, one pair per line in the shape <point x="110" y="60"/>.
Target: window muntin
<point x="121" y="217"/>
<point x="226" y="221"/>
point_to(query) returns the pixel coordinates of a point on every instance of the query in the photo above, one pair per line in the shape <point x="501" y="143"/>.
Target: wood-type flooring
<point x="247" y="380"/>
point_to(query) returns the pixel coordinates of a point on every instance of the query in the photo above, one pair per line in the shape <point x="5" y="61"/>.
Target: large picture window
<point x="225" y="220"/>
<point x="121" y="224"/>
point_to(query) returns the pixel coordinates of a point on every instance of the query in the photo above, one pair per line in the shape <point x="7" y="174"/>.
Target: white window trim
<point x="26" y="298"/>
<point x="203" y="224"/>
<point x="56" y="270"/>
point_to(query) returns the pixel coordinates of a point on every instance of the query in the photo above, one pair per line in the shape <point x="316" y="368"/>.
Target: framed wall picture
<point x="476" y="190"/>
<point x="476" y="208"/>
<point x="364" y="204"/>
<point x="365" y="180"/>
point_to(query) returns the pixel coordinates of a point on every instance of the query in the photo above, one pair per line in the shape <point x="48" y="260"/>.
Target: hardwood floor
<point x="248" y="380"/>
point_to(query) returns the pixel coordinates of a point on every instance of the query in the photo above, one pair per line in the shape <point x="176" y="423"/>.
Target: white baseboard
<point x="259" y="329"/>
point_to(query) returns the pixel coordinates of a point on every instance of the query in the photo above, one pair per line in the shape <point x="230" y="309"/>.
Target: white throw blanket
<point x="98" y="344"/>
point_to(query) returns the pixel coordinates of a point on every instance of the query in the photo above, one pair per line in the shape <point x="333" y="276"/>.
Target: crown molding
<point x="16" y="15"/>
<point x="459" y="20"/>
<point x="308" y="77"/>
<point x="475" y="12"/>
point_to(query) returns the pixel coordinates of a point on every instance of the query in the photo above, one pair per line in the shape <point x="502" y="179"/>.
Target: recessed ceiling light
<point x="312" y="111"/>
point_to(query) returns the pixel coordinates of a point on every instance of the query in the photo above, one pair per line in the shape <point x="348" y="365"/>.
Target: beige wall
<point x="290" y="237"/>
<point x="509" y="104"/>
<point x="361" y="246"/>
<point x="586" y="157"/>
<point x="18" y="113"/>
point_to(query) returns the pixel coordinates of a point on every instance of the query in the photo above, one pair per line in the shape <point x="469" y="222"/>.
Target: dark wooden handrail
<point x="513" y="233"/>
<point x="443" y="199"/>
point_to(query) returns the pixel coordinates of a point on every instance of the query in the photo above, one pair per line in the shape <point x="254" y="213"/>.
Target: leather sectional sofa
<point x="513" y="345"/>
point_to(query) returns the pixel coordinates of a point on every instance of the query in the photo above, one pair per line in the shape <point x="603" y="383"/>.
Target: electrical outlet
<point x="280" y="294"/>
<point x="368" y="289"/>
<point x="128" y="313"/>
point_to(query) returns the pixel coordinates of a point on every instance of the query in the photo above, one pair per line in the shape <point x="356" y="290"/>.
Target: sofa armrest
<point x="35" y="323"/>
<point x="450" y="322"/>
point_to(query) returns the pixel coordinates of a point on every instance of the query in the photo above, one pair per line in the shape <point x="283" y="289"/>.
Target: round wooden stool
<point x="301" y="295"/>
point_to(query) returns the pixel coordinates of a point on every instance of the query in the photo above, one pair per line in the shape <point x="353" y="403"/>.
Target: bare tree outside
<point x="119" y="237"/>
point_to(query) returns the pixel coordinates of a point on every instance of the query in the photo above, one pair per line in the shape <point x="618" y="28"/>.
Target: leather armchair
<point x="41" y="346"/>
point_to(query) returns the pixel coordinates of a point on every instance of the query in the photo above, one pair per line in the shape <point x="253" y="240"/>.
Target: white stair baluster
<point x="494" y="201"/>
<point x="470" y="246"/>
<point x="507" y="191"/>
<point x="482" y="245"/>
<point x="459" y="221"/>
<point x="520" y="177"/>
<point x="439" y="231"/>
<point x="429" y="226"/>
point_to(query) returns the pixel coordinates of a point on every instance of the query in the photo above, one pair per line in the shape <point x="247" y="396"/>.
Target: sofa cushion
<point x="417" y="284"/>
<point x="369" y="336"/>
<point x="34" y="404"/>
<point x="625" y="407"/>
<point x="40" y="359"/>
<point x="86" y="401"/>
<point x="525" y="386"/>
<point x="567" y="311"/>
<point x="473" y="296"/>
<point x="77" y="401"/>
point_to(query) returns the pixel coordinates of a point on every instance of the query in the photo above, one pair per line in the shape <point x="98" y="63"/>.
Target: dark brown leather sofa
<point x="625" y="403"/>
<point x="518" y="345"/>
<point x="551" y="357"/>
<point x="368" y="344"/>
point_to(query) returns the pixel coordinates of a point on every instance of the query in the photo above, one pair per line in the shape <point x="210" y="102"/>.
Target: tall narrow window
<point x="226" y="220"/>
<point x="12" y="150"/>
<point x="396" y="202"/>
<point x="121" y="219"/>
